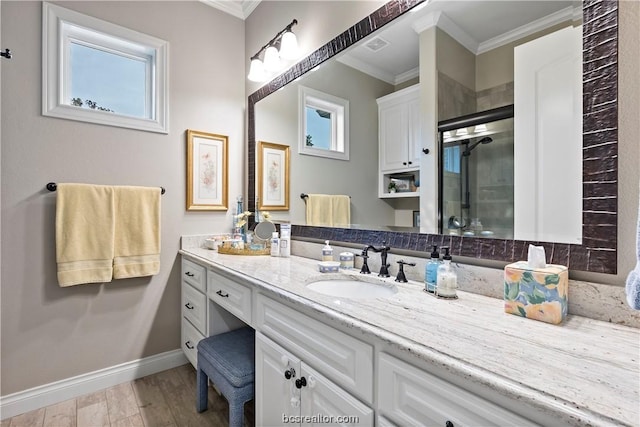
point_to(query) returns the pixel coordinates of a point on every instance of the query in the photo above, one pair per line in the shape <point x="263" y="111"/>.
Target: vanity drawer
<point x="410" y="396"/>
<point x="232" y="296"/>
<point x="194" y="307"/>
<point x="190" y="339"/>
<point x="345" y="360"/>
<point x="194" y="274"/>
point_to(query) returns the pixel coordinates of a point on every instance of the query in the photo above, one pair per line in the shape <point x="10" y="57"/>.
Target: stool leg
<point x="236" y="414"/>
<point x="202" y="391"/>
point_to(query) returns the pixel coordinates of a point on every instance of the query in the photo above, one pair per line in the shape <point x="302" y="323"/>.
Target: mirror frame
<point x="598" y="251"/>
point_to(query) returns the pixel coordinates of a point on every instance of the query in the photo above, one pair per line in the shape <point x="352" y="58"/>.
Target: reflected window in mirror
<point x="323" y="124"/>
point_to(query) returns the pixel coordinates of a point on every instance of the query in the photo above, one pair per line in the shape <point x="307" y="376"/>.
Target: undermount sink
<point x="352" y="288"/>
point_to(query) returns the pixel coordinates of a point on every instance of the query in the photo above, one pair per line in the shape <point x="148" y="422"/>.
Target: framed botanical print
<point x="207" y="171"/>
<point x="273" y="176"/>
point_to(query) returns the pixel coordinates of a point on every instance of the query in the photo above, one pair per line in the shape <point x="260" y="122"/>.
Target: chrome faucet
<point x="383" y="250"/>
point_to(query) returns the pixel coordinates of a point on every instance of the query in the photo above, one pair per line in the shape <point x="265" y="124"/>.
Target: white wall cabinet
<point x="399" y="136"/>
<point x="289" y="391"/>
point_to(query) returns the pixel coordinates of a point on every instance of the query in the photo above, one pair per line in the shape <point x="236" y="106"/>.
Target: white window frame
<point x="339" y="109"/>
<point x="62" y="26"/>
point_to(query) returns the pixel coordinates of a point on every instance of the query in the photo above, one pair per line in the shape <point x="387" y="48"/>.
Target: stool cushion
<point x="232" y="354"/>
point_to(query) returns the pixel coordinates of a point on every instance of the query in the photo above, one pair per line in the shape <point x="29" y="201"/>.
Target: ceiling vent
<point x="376" y="44"/>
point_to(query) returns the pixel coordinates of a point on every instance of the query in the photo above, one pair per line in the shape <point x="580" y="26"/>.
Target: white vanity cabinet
<point x="410" y="396"/>
<point x="289" y="391"/>
<point x="399" y="130"/>
<point x="194" y="308"/>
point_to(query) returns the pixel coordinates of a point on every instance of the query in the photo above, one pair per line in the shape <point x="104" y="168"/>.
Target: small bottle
<point x="327" y="252"/>
<point x="275" y="244"/>
<point x="285" y="241"/>
<point x="447" y="279"/>
<point x="431" y="271"/>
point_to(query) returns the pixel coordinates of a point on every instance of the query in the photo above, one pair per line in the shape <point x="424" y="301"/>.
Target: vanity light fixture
<point x="462" y="132"/>
<point x="284" y="45"/>
<point x="480" y="128"/>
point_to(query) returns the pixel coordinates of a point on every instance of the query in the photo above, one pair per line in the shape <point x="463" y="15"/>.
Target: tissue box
<point x="536" y="293"/>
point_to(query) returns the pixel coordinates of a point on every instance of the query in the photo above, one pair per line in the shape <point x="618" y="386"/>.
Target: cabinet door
<point x="415" y="134"/>
<point x="277" y="399"/>
<point x="409" y="396"/>
<point x="324" y="403"/>
<point x="394" y="137"/>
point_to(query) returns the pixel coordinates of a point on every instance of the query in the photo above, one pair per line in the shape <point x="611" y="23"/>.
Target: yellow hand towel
<point x="341" y="210"/>
<point x="137" y="232"/>
<point x="319" y="210"/>
<point x="84" y="233"/>
<point x="328" y="210"/>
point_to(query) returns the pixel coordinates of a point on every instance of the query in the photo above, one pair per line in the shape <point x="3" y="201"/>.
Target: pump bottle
<point x="447" y="281"/>
<point x="327" y="252"/>
<point x="431" y="271"/>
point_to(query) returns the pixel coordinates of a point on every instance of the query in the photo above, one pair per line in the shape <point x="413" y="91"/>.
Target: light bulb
<point x="289" y="46"/>
<point x="271" y="59"/>
<point x="256" y="71"/>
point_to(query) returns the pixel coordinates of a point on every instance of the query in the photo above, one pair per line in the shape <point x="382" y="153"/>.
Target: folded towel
<point x="137" y="232"/>
<point x="84" y="233"/>
<point x="328" y="210"/>
<point x="633" y="280"/>
<point x="341" y="211"/>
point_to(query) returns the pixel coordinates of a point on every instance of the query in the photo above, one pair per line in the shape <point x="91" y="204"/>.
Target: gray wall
<point x="50" y="333"/>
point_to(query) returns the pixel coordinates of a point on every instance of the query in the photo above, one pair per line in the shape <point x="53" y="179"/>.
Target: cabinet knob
<point x="222" y="295"/>
<point x="189" y="345"/>
<point x="448" y="424"/>
<point x="189" y="306"/>
<point x="290" y="373"/>
<point x="190" y="274"/>
<point x="301" y="382"/>
<point x="405" y="163"/>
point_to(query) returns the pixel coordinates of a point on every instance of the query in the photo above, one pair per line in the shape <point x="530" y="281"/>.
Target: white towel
<point x="633" y="280"/>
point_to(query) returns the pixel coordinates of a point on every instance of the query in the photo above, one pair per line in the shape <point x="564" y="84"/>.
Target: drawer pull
<point x="189" y="306"/>
<point x="290" y="373"/>
<point x="189" y="345"/>
<point x="448" y="424"/>
<point x="301" y="382"/>
<point x="222" y="295"/>
<point x="190" y="274"/>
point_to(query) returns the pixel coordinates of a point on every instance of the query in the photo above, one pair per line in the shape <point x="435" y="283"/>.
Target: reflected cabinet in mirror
<point x="426" y="166"/>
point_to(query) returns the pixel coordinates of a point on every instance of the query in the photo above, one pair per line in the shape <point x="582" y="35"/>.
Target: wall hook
<point x="425" y="150"/>
<point x="6" y="53"/>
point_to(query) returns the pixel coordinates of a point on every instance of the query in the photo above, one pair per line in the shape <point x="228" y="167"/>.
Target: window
<point x="324" y="124"/>
<point x="98" y="72"/>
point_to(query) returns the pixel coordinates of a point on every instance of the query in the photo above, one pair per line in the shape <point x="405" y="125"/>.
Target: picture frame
<point x="273" y="176"/>
<point x="207" y="171"/>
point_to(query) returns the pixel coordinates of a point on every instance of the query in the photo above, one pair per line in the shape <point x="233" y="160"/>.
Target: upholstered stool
<point x="228" y="360"/>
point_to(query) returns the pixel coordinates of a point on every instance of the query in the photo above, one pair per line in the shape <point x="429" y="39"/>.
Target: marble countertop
<point x="583" y="372"/>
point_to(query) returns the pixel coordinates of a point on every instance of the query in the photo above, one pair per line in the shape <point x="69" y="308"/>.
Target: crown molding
<point x="240" y="9"/>
<point x="442" y="21"/>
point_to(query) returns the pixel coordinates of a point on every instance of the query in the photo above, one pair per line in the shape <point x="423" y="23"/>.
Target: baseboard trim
<point x="59" y="391"/>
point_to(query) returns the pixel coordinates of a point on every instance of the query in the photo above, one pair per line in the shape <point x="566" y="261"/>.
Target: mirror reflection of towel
<point x="328" y="210"/>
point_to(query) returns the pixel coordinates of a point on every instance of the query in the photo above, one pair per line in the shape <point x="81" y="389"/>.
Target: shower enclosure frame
<point x="482" y="117"/>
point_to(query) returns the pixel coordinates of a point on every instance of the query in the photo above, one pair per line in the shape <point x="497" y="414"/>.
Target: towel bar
<point x="304" y="196"/>
<point x="52" y="186"/>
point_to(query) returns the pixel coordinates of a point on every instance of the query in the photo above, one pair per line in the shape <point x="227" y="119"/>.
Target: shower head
<point x="469" y="149"/>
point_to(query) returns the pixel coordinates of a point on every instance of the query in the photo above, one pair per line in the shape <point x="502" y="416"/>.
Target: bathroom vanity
<point x="410" y="358"/>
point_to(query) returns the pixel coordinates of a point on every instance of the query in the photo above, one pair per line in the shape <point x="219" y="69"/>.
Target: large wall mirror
<point x="474" y="66"/>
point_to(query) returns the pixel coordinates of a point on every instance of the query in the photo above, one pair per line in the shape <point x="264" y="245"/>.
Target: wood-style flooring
<point x="167" y="398"/>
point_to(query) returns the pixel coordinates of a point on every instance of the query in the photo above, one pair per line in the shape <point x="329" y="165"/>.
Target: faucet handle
<point x="401" y="277"/>
<point x="365" y="266"/>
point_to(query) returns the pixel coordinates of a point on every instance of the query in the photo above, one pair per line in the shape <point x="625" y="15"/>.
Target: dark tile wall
<point x="598" y="253"/>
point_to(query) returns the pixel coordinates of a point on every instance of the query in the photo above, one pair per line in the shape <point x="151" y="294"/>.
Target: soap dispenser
<point x="431" y="271"/>
<point x="327" y="252"/>
<point x="447" y="281"/>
